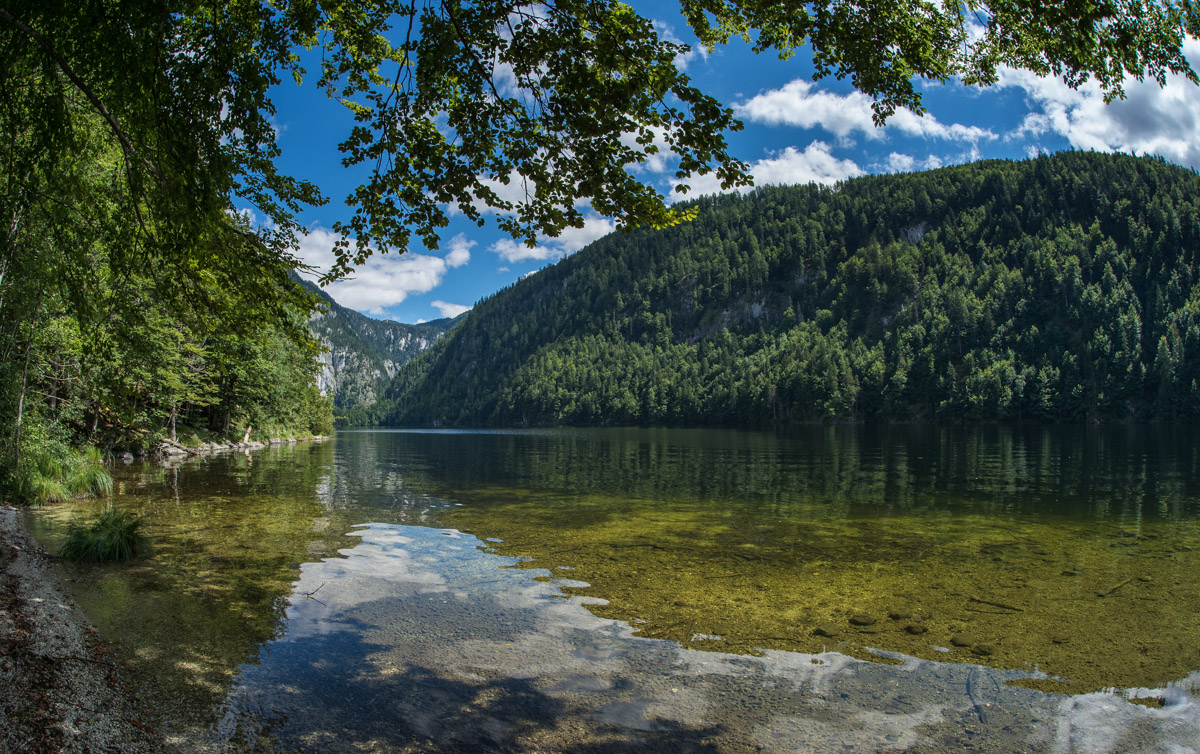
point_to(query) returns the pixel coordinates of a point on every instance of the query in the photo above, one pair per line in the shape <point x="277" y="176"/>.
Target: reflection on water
<point x="419" y="639"/>
<point x="615" y="589"/>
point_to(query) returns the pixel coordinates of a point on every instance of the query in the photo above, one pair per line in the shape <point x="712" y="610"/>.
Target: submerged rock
<point x="862" y="619"/>
<point x="827" y="629"/>
<point x="964" y="639"/>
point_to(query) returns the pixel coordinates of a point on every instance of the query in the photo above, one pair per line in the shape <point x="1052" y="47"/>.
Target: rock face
<point x="360" y="355"/>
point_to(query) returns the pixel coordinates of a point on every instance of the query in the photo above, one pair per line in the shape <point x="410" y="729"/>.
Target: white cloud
<point x="385" y="279"/>
<point x="568" y="242"/>
<point x="660" y="161"/>
<point x="1155" y="120"/>
<point x="514" y="251"/>
<point x="448" y="309"/>
<point x="460" y="251"/>
<point x="666" y="32"/>
<point x="904" y="163"/>
<point x="802" y="104"/>
<point x="516" y="191"/>
<point x="900" y="163"/>
<point x="816" y="164"/>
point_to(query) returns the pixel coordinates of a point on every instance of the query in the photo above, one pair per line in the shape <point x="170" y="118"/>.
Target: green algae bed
<point x="1069" y="554"/>
<point x="1097" y="606"/>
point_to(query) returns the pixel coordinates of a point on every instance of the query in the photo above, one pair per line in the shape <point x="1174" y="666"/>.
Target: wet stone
<point x="862" y="619"/>
<point x="964" y="639"/>
<point x="900" y="614"/>
<point x="827" y="629"/>
<point x="916" y="628"/>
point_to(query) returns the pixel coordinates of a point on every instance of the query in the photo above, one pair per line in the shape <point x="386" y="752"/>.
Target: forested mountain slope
<point x="360" y="354"/>
<point x="1061" y="288"/>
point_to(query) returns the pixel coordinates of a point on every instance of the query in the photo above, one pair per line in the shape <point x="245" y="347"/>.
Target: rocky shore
<point x="60" y="691"/>
<point x="170" y="449"/>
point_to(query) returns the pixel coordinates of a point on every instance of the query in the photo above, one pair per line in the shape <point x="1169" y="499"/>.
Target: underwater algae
<point x="212" y="592"/>
<point x="1093" y="605"/>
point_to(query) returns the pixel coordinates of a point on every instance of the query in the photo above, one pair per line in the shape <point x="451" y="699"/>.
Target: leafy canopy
<point x="457" y="104"/>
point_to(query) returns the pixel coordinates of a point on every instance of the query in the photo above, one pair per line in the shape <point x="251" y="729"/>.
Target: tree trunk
<point x="24" y="377"/>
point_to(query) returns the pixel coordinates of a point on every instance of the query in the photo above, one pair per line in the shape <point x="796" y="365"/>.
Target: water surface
<point x="992" y="589"/>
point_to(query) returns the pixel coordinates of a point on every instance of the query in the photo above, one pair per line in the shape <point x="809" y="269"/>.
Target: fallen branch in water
<point x="1115" y="588"/>
<point x="309" y="595"/>
<point x="995" y="604"/>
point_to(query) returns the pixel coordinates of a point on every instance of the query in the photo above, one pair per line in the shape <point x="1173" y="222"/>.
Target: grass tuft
<point x="112" y="535"/>
<point x="57" y="474"/>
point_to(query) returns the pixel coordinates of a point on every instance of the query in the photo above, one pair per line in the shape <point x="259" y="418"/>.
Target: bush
<point x="112" y="535"/>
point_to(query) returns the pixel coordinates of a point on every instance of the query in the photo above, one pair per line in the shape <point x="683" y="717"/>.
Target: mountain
<point x="362" y="354"/>
<point x="1062" y="288"/>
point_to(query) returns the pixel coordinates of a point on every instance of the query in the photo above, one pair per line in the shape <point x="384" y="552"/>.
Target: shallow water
<point x="988" y="589"/>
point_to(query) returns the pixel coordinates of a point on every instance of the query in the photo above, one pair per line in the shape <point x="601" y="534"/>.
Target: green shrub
<point x="112" y="535"/>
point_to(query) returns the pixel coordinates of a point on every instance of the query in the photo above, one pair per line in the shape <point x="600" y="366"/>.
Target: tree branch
<point x="45" y="44"/>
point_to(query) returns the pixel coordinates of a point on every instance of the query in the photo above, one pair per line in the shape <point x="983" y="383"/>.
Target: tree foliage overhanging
<point x="455" y="104"/>
<point x="1062" y="289"/>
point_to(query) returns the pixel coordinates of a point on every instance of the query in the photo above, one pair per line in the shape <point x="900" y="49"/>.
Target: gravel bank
<point x="60" y="691"/>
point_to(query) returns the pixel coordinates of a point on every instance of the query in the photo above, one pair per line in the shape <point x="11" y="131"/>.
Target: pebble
<point x="900" y="614"/>
<point x="916" y="628"/>
<point x="862" y="619"/>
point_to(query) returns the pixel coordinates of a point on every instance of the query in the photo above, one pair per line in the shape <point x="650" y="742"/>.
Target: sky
<point x="796" y="131"/>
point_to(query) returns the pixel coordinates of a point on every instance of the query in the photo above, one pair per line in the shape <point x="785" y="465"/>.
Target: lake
<point x="823" y="589"/>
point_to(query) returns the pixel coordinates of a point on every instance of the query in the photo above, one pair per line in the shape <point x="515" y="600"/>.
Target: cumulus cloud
<point x="568" y="242"/>
<point x="460" y="251"/>
<point x="1154" y="120"/>
<point x="904" y="163"/>
<point x="448" y="309"/>
<point x="816" y="164"/>
<point x="801" y="103"/>
<point x="385" y="279"/>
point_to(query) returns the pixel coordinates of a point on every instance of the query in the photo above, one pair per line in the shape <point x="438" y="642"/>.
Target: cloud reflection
<point x="422" y="638"/>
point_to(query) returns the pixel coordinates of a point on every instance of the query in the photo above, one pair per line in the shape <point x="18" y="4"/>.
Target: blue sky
<point x="796" y="131"/>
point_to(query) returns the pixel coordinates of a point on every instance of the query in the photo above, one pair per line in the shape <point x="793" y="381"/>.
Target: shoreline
<point x="166" y="449"/>
<point x="62" y="691"/>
